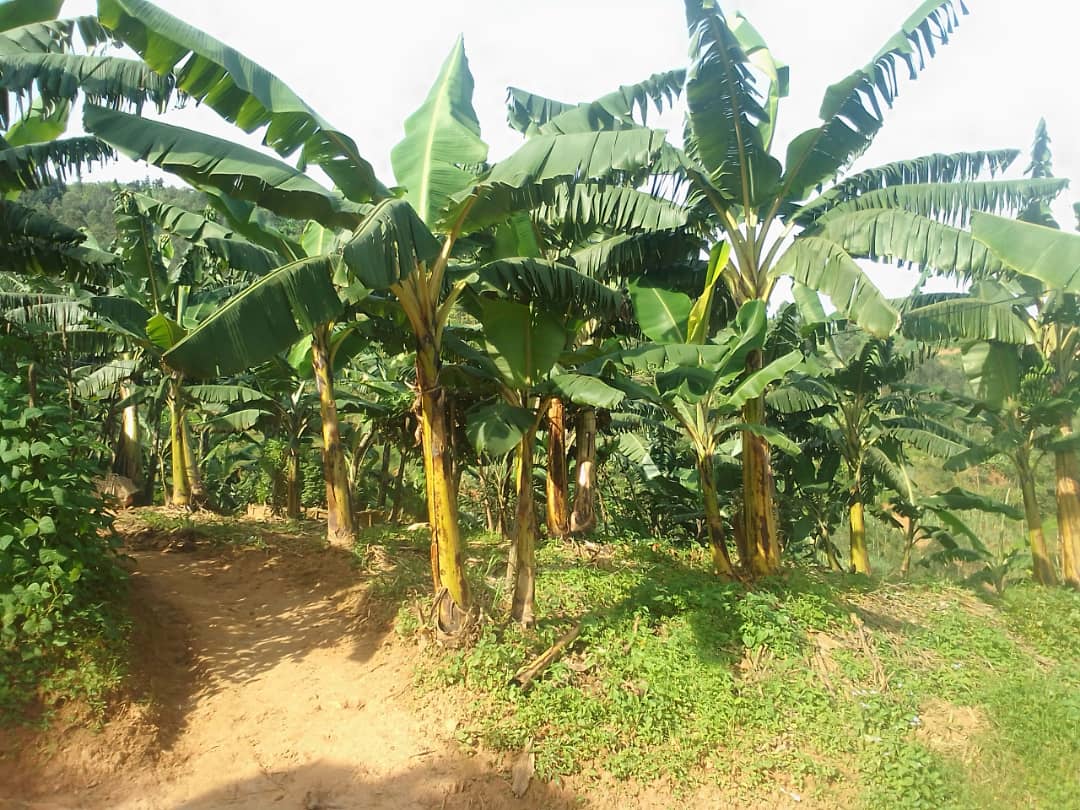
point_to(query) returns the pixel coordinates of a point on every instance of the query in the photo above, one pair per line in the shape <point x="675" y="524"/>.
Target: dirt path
<point x="266" y="683"/>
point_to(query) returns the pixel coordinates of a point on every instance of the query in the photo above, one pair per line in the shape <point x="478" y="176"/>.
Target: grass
<point x="851" y="690"/>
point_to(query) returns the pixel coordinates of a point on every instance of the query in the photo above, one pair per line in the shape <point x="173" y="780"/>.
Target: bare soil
<point x="260" y="679"/>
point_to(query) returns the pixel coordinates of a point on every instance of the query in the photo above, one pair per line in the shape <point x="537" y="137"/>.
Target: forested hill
<point x="91" y="205"/>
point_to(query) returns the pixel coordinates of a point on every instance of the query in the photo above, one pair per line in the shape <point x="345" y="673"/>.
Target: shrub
<point x="59" y="577"/>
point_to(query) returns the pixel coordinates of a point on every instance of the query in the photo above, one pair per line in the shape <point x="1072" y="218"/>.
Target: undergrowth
<point x="827" y="686"/>
<point x="62" y="625"/>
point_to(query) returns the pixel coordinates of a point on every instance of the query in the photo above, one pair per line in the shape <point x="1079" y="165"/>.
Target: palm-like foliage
<point x="798" y="217"/>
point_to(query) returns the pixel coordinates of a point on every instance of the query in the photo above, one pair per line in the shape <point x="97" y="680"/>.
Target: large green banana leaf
<point x="663" y="315"/>
<point x="852" y="108"/>
<point x="953" y="203"/>
<point x="530" y="176"/>
<point x="579" y="209"/>
<point x="442" y="139"/>
<point x="42" y="164"/>
<point x="967" y="317"/>
<point x="497" y="429"/>
<point x="626" y="108"/>
<point x="584" y="389"/>
<point x="958" y="167"/>
<point x="993" y="371"/>
<point x="265" y="319"/>
<point x="388" y="247"/>
<point x="241" y="92"/>
<point x="16" y="13"/>
<point x="60" y="77"/>
<point x="722" y="134"/>
<point x="204" y="160"/>
<point x="901" y="236"/>
<point x="551" y="286"/>
<point x="779" y="75"/>
<point x="1046" y="254"/>
<point x="523" y="342"/>
<point x="824" y="266"/>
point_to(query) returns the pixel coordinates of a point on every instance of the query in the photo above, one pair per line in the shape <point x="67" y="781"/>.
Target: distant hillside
<point x="91" y="205"/>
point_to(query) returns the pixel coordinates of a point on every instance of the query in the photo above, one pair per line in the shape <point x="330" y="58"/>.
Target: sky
<point x="365" y="65"/>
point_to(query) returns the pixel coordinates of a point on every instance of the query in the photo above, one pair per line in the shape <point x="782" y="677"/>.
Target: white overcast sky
<point x="365" y="65"/>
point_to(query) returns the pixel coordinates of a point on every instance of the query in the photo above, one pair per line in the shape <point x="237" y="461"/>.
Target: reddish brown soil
<point x="261" y="679"/>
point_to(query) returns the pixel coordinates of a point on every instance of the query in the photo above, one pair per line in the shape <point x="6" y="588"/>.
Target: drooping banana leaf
<point x="241" y="92"/>
<point x="901" y="236"/>
<point x="442" y="138"/>
<point x="33" y="243"/>
<point x="1046" y="254"/>
<point x="993" y="371"/>
<point x="224" y="243"/>
<point x="578" y="209"/>
<point x="953" y="203"/>
<point x="267" y="318"/>
<point x="56" y="78"/>
<point x="15" y="13"/>
<point x="959" y="167"/>
<point x="626" y="108"/>
<point x="42" y="164"/>
<point x="967" y="317"/>
<point x="552" y="286"/>
<point x="388" y="247"/>
<point x="204" y="160"/>
<point x="106" y="377"/>
<point x="529" y="176"/>
<point x="495" y="430"/>
<point x="663" y="315"/>
<point x="852" y="110"/>
<point x="583" y="389"/>
<point x="824" y="266"/>
<point x="523" y="342"/>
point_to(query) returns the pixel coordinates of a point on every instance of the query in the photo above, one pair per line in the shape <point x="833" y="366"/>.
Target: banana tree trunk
<point x="196" y="489"/>
<point x="557" y="487"/>
<point x="447" y="549"/>
<point x="909" y="545"/>
<point x="1042" y="564"/>
<point x="384" y="477"/>
<point x="293" y="481"/>
<point x="760" y="539"/>
<point x="129" y="455"/>
<point x="860" y="558"/>
<point x="583" y="518"/>
<point x="825" y="537"/>
<point x="31" y="385"/>
<point x="359" y="453"/>
<point x="1068" y="508"/>
<point x="399" y="486"/>
<point x="339" y="519"/>
<point x="521" y="571"/>
<point x="713" y="521"/>
<point x="181" y="480"/>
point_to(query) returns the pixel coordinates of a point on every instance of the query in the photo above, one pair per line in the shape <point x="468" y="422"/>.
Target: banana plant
<point x="871" y="421"/>
<point x="529" y="311"/>
<point x="1012" y="423"/>
<point x="1047" y="263"/>
<point x="392" y="248"/>
<point x="795" y="217"/>
<point x="934" y="518"/>
<point x="701" y="384"/>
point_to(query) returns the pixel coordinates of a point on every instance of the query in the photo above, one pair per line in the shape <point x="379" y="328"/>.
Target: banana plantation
<point x="620" y="419"/>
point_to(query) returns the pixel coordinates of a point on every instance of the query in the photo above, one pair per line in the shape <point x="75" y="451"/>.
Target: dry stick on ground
<point x="524" y="676"/>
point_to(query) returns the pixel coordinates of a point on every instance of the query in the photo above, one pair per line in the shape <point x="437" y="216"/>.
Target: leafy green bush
<point x="59" y="576"/>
